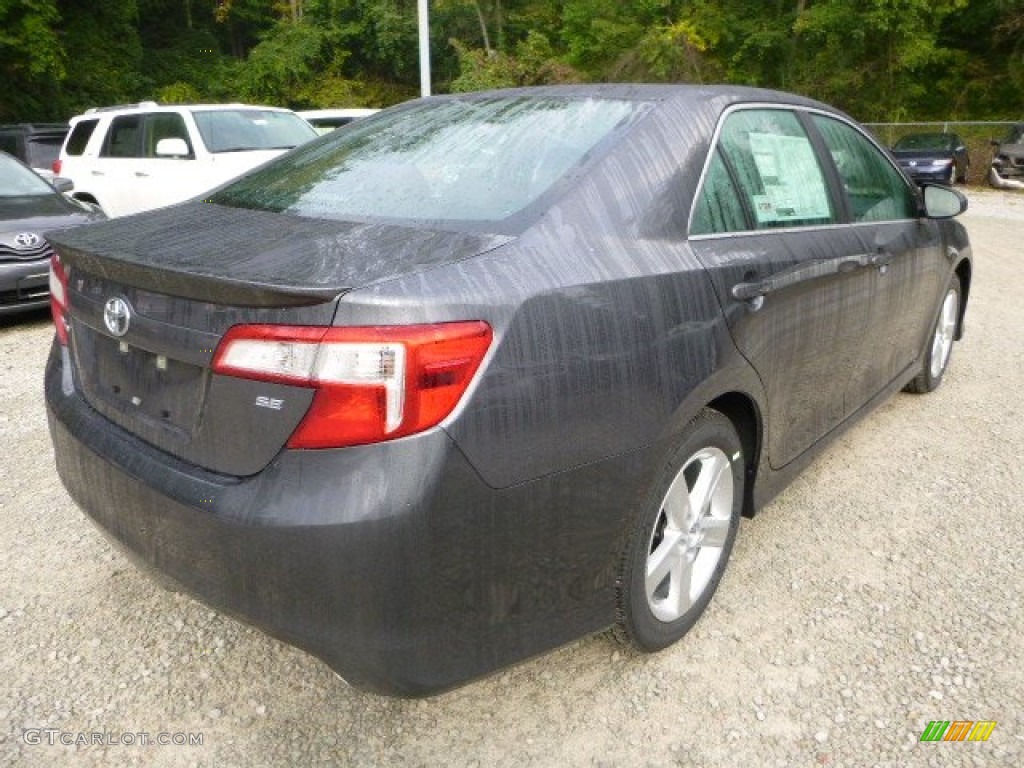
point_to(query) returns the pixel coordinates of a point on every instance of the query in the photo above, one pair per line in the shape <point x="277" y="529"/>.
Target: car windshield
<point x="18" y="181"/>
<point x="943" y="141"/>
<point x="473" y="160"/>
<point x="240" y="130"/>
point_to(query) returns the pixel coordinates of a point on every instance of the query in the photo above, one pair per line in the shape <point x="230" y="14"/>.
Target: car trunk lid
<point x="150" y="298"/>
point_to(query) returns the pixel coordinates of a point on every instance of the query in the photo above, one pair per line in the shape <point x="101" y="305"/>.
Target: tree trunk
<point x="483" y="27"/>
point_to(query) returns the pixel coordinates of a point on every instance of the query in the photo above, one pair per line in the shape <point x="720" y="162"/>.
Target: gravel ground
<point x="882" y="590"/>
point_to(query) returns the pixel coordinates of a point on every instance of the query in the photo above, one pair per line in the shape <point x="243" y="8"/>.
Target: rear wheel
<point x="936" y="358"/>
<point x="681" y="542"/>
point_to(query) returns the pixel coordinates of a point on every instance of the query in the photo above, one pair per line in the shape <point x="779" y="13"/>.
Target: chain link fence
<point x="977" y="136"/>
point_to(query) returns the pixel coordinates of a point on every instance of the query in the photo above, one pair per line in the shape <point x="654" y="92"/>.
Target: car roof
<point x="152" y="106"/>
<point x="346" y="112"/>
<point x="35" y="127"/>
<point x="684" y="93"/>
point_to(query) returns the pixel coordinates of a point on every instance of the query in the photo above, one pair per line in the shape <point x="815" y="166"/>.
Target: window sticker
<point x="793" y="188"/>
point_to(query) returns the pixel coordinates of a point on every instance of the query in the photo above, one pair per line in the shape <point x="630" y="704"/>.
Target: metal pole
<point x="424" y="26"/>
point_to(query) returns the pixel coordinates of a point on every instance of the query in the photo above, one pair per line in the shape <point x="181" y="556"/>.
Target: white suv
<point x="133" y="158"/>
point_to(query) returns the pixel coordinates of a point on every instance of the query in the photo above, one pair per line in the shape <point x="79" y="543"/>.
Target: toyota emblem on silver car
<point x="117" y="315"/>
<point x="26" y="240"/>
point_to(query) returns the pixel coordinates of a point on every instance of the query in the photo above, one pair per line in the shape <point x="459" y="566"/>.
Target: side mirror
<point x="172" y="148"/>
<point x="62" y="184"/>
<point x="942" y="202"/>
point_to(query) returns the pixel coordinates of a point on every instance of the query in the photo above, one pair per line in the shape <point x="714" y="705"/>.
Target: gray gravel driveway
<point x="881" y="591"/>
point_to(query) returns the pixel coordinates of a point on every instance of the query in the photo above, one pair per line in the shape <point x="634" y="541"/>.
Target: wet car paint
<point x="415" y="565"/>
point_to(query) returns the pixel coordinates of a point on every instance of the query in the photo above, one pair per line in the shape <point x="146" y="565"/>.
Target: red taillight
<point x="372" y="383"/>
<point x="56" y="167"/>
<point x="59" y="298"/>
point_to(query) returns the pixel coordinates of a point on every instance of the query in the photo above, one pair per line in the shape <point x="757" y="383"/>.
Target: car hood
<point x="922" y="154"/>
<point x="40" y="212"/>
<point x="258" y="258"/>
<point x="35" y="216"/>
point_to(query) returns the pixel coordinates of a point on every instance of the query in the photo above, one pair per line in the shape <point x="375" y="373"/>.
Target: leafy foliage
<point x="878" y="59"/>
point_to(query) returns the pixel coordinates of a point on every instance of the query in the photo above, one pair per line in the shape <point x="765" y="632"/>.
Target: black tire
<point x="965" y="174"/>
<point x="940" y="342"/>
<point x="666" y="532"/>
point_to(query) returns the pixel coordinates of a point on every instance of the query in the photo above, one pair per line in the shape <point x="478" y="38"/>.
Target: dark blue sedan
<point x="940" y="157"/>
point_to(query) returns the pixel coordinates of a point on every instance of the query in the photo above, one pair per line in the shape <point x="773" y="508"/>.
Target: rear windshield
<point x="240" y="130"/>
<point x="926" y="141"/>
<point x="43" y="150"/>
<point x="474" y="160"/>
<point x="18" y="181"/>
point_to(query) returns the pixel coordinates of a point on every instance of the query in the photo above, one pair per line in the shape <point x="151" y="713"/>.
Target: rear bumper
<point x="24" y="285"/>
<point x="393" y="563"/>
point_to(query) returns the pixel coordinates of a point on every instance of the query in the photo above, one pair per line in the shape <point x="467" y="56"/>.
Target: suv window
<point x="165" y="125"/>
<point x="776" y="168"/>
<point x="80" y="136"/>
<point x="123" y="137"/>
<point x="877" y="190"/>
<point x="233" y="130"/>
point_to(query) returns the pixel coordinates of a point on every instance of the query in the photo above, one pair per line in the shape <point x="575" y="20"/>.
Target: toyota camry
<point x="482" y="374"/>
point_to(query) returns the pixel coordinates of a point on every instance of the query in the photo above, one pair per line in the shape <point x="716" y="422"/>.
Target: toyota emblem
<point x="117" y="315"/>
<point x="26" y="240"/>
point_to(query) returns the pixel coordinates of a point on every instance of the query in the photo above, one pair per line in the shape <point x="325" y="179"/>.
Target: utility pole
<point x="424" y="26"/>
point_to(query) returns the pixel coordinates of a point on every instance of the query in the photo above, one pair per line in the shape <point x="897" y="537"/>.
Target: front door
<point x="796" y="288"/>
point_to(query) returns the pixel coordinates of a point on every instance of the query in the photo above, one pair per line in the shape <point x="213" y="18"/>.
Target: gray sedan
<point x="29" y="206"/>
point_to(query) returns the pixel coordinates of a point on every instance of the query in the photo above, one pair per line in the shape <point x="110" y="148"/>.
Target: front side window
<point x="877" y="191"/>
<point x="776" y="169"/>
<point x="165" y="125"/>
<point x="123" y="137"/>
<point x="472" y="160"/>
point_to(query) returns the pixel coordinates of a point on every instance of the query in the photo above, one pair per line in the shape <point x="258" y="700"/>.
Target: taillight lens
<point x="372" y="383"/>
<point x="56" y="166"/>
<point x="59" y="298"/>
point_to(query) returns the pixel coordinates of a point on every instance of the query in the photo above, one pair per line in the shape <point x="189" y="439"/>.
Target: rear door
<point x="793" y="279"/>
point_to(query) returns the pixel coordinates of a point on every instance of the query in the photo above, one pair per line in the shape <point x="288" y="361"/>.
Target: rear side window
<point x="719" y="208"/>
<point x="776" y="169"/>
<point x="80" y="136"/>
<point x="123" y="139"/>
<point x="877" y="191"/>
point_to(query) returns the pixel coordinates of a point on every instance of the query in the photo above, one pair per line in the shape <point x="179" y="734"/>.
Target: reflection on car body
<point x="532" y="354"/>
